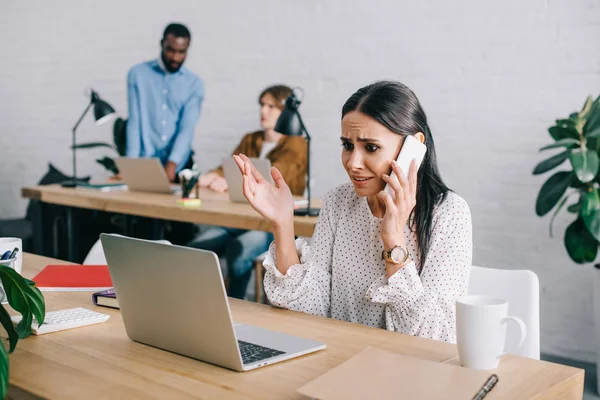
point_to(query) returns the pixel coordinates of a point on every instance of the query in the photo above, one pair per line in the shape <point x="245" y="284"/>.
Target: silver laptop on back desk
<point x="144" y="175"/>
<point x="174" y="298"/>
<point x="234" y="176"/>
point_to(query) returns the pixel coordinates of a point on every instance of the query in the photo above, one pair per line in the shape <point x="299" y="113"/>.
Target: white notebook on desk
<point x="380" y="374"/>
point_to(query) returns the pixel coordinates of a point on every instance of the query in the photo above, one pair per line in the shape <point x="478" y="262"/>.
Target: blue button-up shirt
<point x="163" y="111"/>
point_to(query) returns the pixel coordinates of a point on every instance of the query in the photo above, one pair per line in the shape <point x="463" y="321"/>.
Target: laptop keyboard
<point x="253" y="352"/>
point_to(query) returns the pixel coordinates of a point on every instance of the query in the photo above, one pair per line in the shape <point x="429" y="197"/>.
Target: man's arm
<point x="187" y="123"/>
<point x="134" y="135"/>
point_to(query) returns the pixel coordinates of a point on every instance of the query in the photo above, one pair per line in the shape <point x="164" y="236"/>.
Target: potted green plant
<point x="25" y="298"/>
<point x="577" y="139"/>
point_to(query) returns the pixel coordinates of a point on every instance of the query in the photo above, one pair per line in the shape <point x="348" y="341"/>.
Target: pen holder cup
<point x="195" y="190"/>
<point x="10" y="264"/>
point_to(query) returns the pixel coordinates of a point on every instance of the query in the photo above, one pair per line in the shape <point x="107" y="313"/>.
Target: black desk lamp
<point x="290" y="124"/>
<point x="102" y="112"/>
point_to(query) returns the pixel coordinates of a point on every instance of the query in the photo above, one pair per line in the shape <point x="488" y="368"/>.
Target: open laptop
<point x="145" y="175"/>
<point x="234" y="176"/>
<point x="173" y="298"/>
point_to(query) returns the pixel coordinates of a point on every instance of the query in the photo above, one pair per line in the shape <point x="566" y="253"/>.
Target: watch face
<point x="397" y="254"/>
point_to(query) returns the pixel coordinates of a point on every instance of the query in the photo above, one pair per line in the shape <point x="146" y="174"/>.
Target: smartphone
<point x="412" y="149"/>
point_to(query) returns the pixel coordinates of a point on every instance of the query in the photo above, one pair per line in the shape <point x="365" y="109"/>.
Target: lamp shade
<point x="289" y="122"/>
<point x="102" y="110"/>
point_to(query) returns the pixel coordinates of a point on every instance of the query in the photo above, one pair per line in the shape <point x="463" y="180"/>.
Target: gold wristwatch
<point x="397" y="255"/>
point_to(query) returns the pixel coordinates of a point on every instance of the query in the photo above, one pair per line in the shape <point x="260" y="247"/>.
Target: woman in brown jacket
<point x="288" y="153"/>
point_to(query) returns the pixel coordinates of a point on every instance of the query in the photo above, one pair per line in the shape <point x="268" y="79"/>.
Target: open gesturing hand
<point x="273" y="201"/>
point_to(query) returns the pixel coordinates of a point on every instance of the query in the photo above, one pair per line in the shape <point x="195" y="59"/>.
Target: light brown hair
<point x="279" y="92"/>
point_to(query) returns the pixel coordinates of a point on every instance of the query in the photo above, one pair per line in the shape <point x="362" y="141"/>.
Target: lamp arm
<point x="74" y="142"/>
<point x="82" y="115"/>
<point x="307" y="161"/>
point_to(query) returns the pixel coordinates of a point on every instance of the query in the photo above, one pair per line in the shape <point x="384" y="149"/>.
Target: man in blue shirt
<point x="164" y="104"/>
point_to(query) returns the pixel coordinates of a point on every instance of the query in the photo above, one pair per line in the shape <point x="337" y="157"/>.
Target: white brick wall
<point x="491" y="75"/>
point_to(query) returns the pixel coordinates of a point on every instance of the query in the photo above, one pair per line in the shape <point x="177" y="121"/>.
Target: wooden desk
<point x="216" y="208"/>
<point x="100" y="361"/>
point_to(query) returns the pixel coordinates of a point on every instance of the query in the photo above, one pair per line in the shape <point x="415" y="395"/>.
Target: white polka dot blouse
<point x="342" y="275"/>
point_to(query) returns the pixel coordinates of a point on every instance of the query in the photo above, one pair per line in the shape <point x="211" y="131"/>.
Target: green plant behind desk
<point x="120" y="141"/>
<point x="578" y="138"/>
<point x="26" y="299"/>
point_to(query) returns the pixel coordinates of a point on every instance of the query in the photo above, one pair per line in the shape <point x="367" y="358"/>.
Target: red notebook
<point x="73" y="278"/>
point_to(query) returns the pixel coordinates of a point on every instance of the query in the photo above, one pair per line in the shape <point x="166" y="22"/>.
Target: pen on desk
<point x="487" y="387"/>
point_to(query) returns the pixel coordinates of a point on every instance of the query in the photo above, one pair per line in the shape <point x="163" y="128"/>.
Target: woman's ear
<point x="420" y="137"/>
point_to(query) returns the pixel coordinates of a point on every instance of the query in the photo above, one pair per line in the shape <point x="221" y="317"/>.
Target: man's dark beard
<point x="168" y="66"/>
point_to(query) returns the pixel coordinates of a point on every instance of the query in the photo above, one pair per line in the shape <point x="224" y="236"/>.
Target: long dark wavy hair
<point x="396" y="107"/>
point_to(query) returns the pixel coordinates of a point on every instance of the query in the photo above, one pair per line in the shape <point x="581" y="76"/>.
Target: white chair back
<point x="521" y="288"/>
<point x="96" y="254"/>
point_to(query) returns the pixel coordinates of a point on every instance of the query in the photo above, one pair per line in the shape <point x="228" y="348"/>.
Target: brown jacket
<point x="289" y="156"/>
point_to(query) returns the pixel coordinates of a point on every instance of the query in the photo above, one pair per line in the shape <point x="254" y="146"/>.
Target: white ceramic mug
<point x="10" y="263"/>
<point x="9" y="243"/>
<point x="481" y="331"/>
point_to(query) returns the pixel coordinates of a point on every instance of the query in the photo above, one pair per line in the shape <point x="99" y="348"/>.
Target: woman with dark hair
<point x="240" y="247"/>
<point x="391" y="261"/>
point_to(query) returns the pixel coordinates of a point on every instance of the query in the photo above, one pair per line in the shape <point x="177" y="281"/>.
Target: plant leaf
<point x="585" y="164"/>
<point x="587" y="107"/>
<point x="550" y="163"/>
<point x="551" y="192"/>
<point x="560" y="206"/>
<point x="36" y="301"/>
<point x="93" y="145"/>
<point x="109" y="164"/>
<point x="563" y="132"/>
<point x="568" y="143"/>
<point x="574" y="208"/>
<point x="590" y="212"/>
<point x="580" y="244"/>
<point x="566" y="123"/>
<point x="577" y="184"/>
<point x="13" y="338"/>
<point x="593" y="121"/>
<point x="120" y="136"/>
<point x="594" y="133"/>
<point x="24" y="297"/>
<point x="3" y="371"/>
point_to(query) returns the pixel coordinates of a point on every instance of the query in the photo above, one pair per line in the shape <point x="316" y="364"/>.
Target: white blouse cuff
<point x="304" y="253"/>
<point x="403" y="287"/>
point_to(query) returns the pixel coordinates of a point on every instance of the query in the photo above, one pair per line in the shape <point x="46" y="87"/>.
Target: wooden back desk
<point x="101" y="362"/>
<point x="216" y="209"/>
